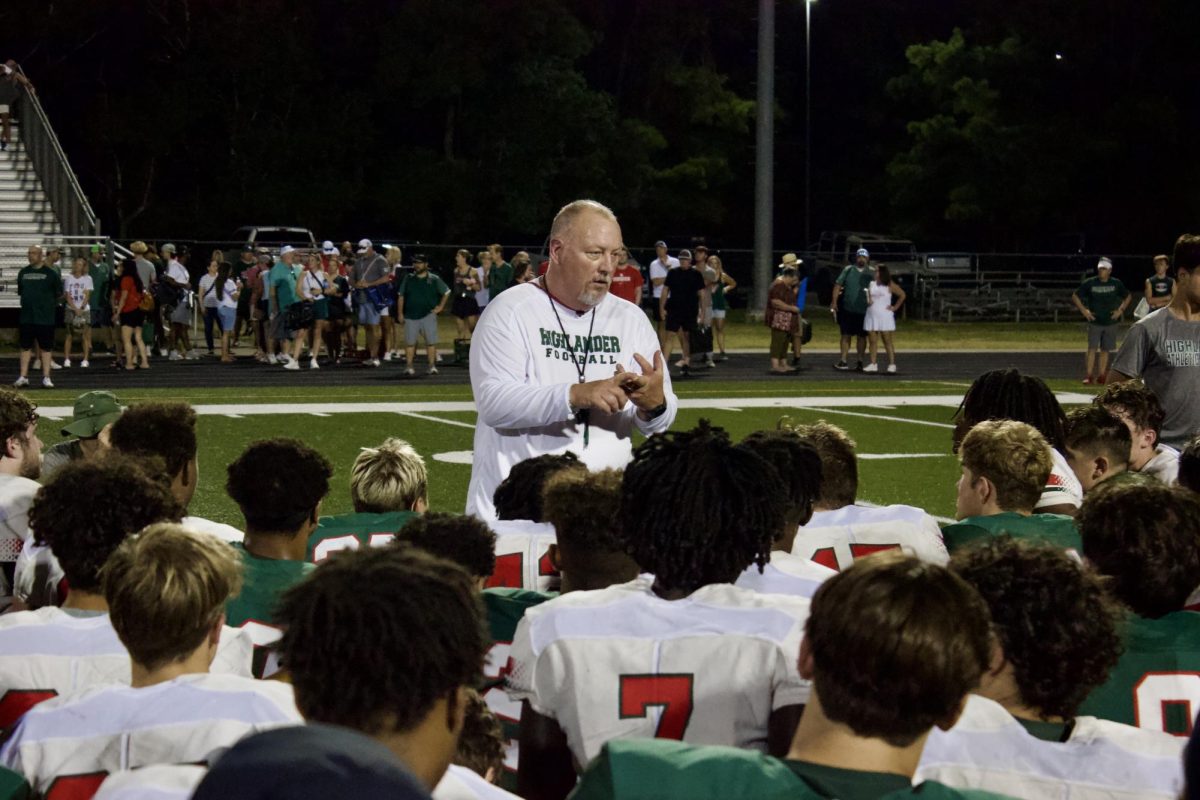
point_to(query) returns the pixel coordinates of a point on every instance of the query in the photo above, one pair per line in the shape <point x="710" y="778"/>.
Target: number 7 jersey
<point x="622" y="662"/>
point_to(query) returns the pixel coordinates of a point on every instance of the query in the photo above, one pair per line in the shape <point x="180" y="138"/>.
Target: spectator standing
<point x="880" y="321"/>
<point x="660" y="267"/>
<point x="370" y="270"/>
<point x="253" y="280"/>
<point x="226" y="293"/>
<point x="720" y="303"/>
<point x="1164" y="349"/>
<point x="101" y="272"/>
<point x="281" y="289"/>
<point x="1160" y="287"/>
<point x="1102" y="301"/>
<point x="464" y="307"/>
<point x="388" y="319"/>
<point x="39" y="287"/>
<point x="180" y="313"/>
<point x="682" y="293"/>
<point x="522" y="266"/>
<point x="10" y="80"/>
<point x="243" y="316"/>
<point x="781" y="317"/>
<point x="127" y="310"/>
<point x="483" y="296"/>
<point x="500" y="276"/>
<point x="339" y="328"/>
<point x="148" y="277"/>
<point x="627" y="280"/>
<point x="77" y="318"/>
<point x="312" y="287"/>
<point x="208" y="303"/>
<point x="849" y="306"/>
<point x="421" y="299"/>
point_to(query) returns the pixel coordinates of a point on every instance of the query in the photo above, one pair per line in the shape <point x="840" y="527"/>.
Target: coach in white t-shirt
<point x="560" y="364"/>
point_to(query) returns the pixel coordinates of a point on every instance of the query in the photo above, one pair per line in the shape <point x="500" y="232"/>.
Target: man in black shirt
<point x="680" y="305"/>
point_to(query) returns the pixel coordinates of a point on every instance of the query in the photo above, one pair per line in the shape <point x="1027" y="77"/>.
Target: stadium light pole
<point x="764" y="155"/>
<point x="808" y="4"/>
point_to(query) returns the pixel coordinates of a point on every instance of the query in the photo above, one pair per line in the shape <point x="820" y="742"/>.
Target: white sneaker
<point x="433" y="371"/>
<point x="891" y="368"/>
<point x="272" y="359"/>
<point x="162" y="351"/>
<point x="387" y="356"/>
<point x="47" y="383"/>
<point x="66" y="363"/>
<point x="439" y="358"/>
<point x="22" y="381"/>
<point x="871" y="368"/>
<point x="314" y="365"/>
<point x="84" y="363"/>
<point x="193" y="355"/>
<point x="175" y="356"/>
<point x="374" y="362"/>
<point x="54" y="365"/>
<point x="292" y="365"/>
<point x="410" y="372"/>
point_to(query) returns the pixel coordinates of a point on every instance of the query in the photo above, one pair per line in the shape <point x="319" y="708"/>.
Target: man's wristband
<point x="657" y="411"/>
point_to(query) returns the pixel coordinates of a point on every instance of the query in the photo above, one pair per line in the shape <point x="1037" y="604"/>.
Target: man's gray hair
<point x="567" y="215"/>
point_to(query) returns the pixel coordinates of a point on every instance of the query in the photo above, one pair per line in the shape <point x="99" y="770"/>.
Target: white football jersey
<point x="522" y="555"/>
<point x="460" y="783"/>
<point x="224" y="532"/>
<point x="1062" y="487"/>
<point x="1101" y="760"/>
<point x="188" y="720"/>
<point x="835" y="538"/>
<point x="1164" y="465"/>
<point x="16" y="495"/>
<point x="156" y="782"/>
<point x="785" y="574"/>
<point x="623" y="662"/>
<point x="48" y="653"/>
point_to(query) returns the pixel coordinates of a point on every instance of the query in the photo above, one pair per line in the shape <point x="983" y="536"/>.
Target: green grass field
<point x="902" y="430"/>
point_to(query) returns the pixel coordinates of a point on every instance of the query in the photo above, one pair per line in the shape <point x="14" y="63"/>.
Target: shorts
<point x="42" y="334"/>
<point x="677" y="321"/>
<point x="278" y="329"/>
<point x="227" y="317"/>
<point x="102" y="317"/>
<point x="77" y="321"/>
<point x="1102" y="337"/>
<point x="133" y="319"/>
<point x="851" y="323"/>
<point x="181" y="315"/>
<point x="426" y="325"/>
<point x="718" y="313"/>
<point x="368" y="313"/>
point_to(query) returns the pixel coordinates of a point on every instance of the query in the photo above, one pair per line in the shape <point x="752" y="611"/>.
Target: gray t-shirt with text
<point x="1165" y="351"/>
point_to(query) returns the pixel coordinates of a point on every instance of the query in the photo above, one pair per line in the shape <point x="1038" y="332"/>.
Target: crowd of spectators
<point x="709" y="592"/>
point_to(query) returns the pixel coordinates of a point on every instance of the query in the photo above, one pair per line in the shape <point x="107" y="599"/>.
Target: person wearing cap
<point x="370" y="269"/>
<point x="281" y="290"/>
<point x="1102" y="301"/>
<point x="93" y="416"/>
<point x="421" y="298"/>
<point x="851" y="289"/>
<point x="659" y="267"/>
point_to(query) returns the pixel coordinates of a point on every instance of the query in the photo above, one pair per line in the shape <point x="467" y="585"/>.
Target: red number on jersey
<point x="508" y="572"/>
<point x="16" y="702"/>
<point x="826" y="556"/>
<point x="546" y="566"/>
<point x="672" y="693"/>
<point x="861" y="550"/>
<point x="76" y="787"/>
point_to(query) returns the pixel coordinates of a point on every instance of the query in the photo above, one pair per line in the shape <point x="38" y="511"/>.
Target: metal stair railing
<point x="59" y="182"/>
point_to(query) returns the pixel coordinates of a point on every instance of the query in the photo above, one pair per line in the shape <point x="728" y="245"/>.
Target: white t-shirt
<point x="1063" y="488"/>
<point x="1101" y="760"/>
<point x="622" y="662"/>
<point x="521" y="377"/>
<point x="49" y="652"/>
<point x="188" y="720"/>
<point x="209" y="294"/>
<point x="16" y="495"/>
<point x="659" y="270"/>
<point x="178" y="272"/>
<point x="835" y="538"/>
<point x="460" y="783"/>
<point x="313" y="285"/>
<point x="522" y="555"/>
<point x="1164" y="465"/>
<point x="785" y="574"/>
<point x="157" y="782"/>
<point x="78" y="289"/>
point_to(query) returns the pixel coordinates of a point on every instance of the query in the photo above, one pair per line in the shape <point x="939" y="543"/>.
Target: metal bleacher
<point x="953" y="288"/>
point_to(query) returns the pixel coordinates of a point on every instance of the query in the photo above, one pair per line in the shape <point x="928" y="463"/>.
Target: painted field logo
<point x="597" y="349"/>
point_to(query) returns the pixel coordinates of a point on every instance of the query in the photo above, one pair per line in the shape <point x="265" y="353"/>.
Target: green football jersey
<point x="662" y="769"/>
<point x="1055" y="529"/>
<point x="13" y="786"/>
<point x="263" y="581"/>
<point x="505" y="608"/>
<point x="1156" y="684"/>
<point x="351" y="531"/>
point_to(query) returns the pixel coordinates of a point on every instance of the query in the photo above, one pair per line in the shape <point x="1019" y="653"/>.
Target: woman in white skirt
<point x="881" y="316"/>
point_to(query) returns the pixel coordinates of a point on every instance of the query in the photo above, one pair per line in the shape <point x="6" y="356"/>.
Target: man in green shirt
<point x="1146" y="540"/>
<point x="280" y="288"/>
<point x="851" y="288"/>
<point x="887" y="664"/>
<point x="279" y="485"/>
<point x="101" y="275"/>
<point x="1005" y="466"/>
<point x="500" y="275"/>
<point x="421" y="298"/>
<point x="39" y="287"/>
<point x="389" y="487"/>
<point x="1102" y="301"/>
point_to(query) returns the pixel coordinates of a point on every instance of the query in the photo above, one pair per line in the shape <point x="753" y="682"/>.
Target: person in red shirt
<point x="627" y="281"/>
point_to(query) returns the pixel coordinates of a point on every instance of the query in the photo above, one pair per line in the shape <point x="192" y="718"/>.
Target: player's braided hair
<point x="697" y="510"/>
<point x="409" y="626"/>
<point x="1007" y="394"/>
<point x="519" y="496"/>
<point x="464" y="540"/>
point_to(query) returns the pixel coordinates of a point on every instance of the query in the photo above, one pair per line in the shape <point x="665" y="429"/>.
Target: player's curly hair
<point x="582" y="506"/>
<point x="164" y="430"/>
<point x="1146" y="539"/>
<point x="697" y="510"/>
<point x="1007" y="394"/>
<point x="1136" y="399"/>
<point x="463" y="540"/>
<point x="411" y="625"/>
<point x="1054" y="618"/>
<point x="519" y="496"/>
<point x="839" y="465"/>
<point x="896" y="643"/>
<point x="798" y="464"/>
<point x="88" y="508"/>
<point x="278" y="483"/>
<point x="16" y="412"/>
<point x="1189" y="465"/>
<point x="481" y="744"/>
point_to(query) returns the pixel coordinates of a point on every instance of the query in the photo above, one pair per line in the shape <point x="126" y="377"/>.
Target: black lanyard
<point x="582" y="415"/>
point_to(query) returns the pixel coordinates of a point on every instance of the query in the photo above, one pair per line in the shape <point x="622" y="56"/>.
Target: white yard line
<point x="889" y="456"/>
<point x="436" y="419"/>
<point x="881" y="416"/>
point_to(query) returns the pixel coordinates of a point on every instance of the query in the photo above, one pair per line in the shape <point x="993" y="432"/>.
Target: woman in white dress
<point x="881" y="316"/>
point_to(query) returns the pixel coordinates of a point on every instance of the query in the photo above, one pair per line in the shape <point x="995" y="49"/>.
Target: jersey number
<point x="76" y="787"/>
<point x="509" y="572"/>
<point x="671" y="693"/>
<point x="16" y="702"/>
<point x="1167" y="701"/>
<point x="826" y="556"/>
<point x="328" y="547"/>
